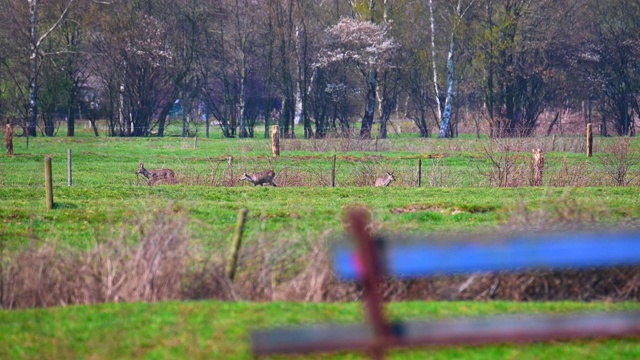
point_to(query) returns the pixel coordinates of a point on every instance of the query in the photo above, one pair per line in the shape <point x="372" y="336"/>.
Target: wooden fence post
<point x="333" y="172"/>
<point x="538" y="166"/>
<point x="419" y="172"/>
<point x="589" y="140"/>
<point x="229" y="172"/>
<point x="48" y="182"/>
<point x="275" y="140"/>
<point x="69" y="171"/>
<point x="8" y="138"/>
<point x="235" y="247"/>
<point x="195" y="142"/>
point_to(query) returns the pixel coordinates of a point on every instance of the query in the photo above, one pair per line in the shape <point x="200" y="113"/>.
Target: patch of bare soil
<point x="421" y="207"/>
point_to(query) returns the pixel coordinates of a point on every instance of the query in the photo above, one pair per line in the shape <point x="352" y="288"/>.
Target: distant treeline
<point x="323" y="66"/>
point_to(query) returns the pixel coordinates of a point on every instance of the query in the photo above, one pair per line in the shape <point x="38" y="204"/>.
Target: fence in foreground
<point x="368" y="260"/>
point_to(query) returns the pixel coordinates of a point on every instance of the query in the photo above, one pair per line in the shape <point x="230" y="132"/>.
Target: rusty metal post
<point x="371" y="277"/>
<point x="589" y="140"/>
<point x="69" y="171"/>
<point x="48" y="182"/>
<point x="333" y="172"/>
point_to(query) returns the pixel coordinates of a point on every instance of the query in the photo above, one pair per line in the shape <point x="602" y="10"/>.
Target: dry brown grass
<point x="153" y="259"/>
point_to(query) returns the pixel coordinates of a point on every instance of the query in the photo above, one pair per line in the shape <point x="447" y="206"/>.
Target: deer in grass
<point x="385" y="180"/>
<point x="157" y="176"/>
<point x="261" y="178"/>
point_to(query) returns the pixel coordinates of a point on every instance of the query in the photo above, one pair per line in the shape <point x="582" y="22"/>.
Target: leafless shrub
<point x="340" y="143"/>
<point x="504" y="165"/>
<point x="441" y="175"/>
<point x="618" y="162"/>
<point x="150" y="270"/>
<point x="567" y="173"/>
<point x="364" y="173"/>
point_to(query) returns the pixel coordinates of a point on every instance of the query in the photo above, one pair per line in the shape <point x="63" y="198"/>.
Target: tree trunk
<point x="433" y="62"/>
<point x="243" y="99"/>
<point x="162" y="118"/>
<point x="184" y="117"/>
<point x="121" y="114"/>
<point x="446" y="116"/>
<point x="71" y="121"/>
<point x="370" y="106"/>
<point x="33" y="69"/>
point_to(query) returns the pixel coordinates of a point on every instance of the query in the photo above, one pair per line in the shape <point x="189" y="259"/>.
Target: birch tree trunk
<point x="242" y="100"/>
<point x="446" y="116"/>
<point x="433" y="62"/>
<point x="299" y="105"/>
<point x="33" y="69"/>
<point x="36" y="40"/>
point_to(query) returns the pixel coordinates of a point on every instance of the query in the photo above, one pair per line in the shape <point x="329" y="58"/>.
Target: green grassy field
<point x="455" y="197"/>
<point x="215" y="330"/>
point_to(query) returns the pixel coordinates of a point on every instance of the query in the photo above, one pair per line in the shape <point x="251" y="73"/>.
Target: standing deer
<point x="385" y="180"/>
<point x="261" y="178"/>
<point x="157" y="176"/>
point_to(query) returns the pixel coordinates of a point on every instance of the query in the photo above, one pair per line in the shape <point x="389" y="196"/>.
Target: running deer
<point x="385" y="180"/>
<point x="157" y="176"/>
<point x="261" y="178"/>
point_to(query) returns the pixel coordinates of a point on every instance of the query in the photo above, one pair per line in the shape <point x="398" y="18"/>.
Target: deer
<point x="156" y="176"/>
<point x="385" y="180"/>
<point x="261" y="178"/>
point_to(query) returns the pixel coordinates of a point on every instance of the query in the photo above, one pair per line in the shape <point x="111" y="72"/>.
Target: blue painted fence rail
<point x="419" y="258"/>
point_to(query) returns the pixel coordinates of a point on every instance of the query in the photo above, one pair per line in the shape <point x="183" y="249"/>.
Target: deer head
<point x="141" y="169"/>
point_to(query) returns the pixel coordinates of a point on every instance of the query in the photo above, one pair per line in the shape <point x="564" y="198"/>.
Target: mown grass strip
<point x="221" y="330"/>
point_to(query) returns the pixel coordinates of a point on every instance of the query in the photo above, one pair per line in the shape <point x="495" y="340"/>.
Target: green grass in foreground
<point x="86" y="215"/>
<point x="199" y="330"/>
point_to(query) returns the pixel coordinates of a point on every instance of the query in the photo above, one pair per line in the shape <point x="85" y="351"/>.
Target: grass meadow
<point x="89" y="239"/>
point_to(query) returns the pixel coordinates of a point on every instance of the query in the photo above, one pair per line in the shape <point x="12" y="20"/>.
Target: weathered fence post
<point x="69" y="171"/>
<point x="275" y="140"/>
<point x="235" y="247"/>
<point x="589" y="140"/>
<point x="230" y="171"/>
<point x="538" y="166"/>
<point x="8" y="138"/>
<point x="48" y="184"/>
<point x="333" y="172"/>
<point x="419" y="172"/>
<point x="195" y="142"/>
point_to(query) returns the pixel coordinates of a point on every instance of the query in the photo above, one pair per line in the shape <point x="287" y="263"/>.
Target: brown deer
<point x="385" y="180"/>
<point x="155" y="177"/>
<point x="8" y="138"/>
<point x="261" y="178"/>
